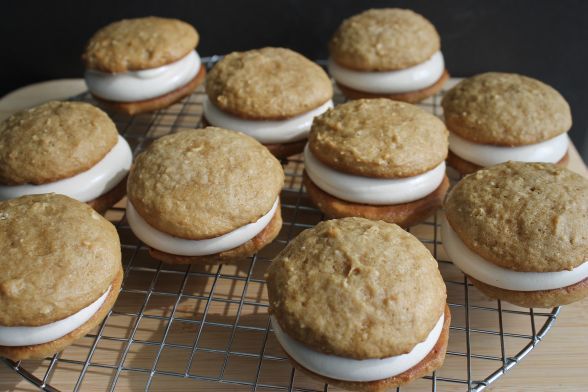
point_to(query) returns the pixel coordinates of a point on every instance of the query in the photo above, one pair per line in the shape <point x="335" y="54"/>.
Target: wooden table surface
<point x="560" y="362"/>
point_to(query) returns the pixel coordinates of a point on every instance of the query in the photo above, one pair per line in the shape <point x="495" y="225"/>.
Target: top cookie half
<point x="140" y="43"/>
<point x="267" y="84"/>
<point x="530" y="217"/>
<point x="505" y="109"/>
<point x="53" y="141"/>
<point x="385" y="39"/>
<point x="379" y="138"/>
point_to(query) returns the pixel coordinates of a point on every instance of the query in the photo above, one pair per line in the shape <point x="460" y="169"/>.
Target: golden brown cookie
<point x="68" y="256"/>
<point x="149" y="105"/>
<point x="53" y="141"/>
<point x="505" y="109"/>
<point x="347" y="287"/>
<point x="404" y="215"/>
<point x="466" y="167"/>
<point x="140" y="43"/>
<point x="529" y="217"/>
<point x="267" y="84"/>
<point x="410" y="97"/>
<point x="434" y="360"/>
<point x="384" y="39"/>
<point x="203" y="183"/>
<point x="536" y="299"/>
<point x="41" y="351"/>
<point x="103" y="202"/>
<point x="265" y="237"/>
<point x="378" y="138"/>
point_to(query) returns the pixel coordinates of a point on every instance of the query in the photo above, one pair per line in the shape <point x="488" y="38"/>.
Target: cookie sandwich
<point x="72" y="148"/>
<point x="378" y="159"/>
<point x="60" y="273"/>
<point x="498" y="117"/>
<point x="271" y="94"/>
<point x="390" y="52"/>
<point x="520" y="233"/>
<point x="143" y="64"/>
<point x="342" y="301"/>
<point x="205" y="195"/>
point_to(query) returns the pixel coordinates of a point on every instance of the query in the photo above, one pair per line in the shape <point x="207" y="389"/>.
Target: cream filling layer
<point x="391" y="82"/>
<point x="26" y="336"/>
<point x="347" y="369"/>
<point x="183" y="247"/>
<point x="368" y="190"/>
<point x="483" y="270"/>
<point x="85" y="186"/>
<point x="271" y="131"/>
<point x="144" y="84"/>
<point x="551" y="150"/>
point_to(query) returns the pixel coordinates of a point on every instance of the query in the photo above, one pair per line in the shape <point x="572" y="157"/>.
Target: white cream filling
<point x="391" y="82"/>
<point x="368" y="190"/>
<point x="144" y="84"/>
<point x="483" y="270"/>
<point x="85" y="186"/>
<point x="26" y="336"/>
<point x="347" y="369"/>
<point x="267" y="132"/>
<point x="183" y="247"/>
<point x="552" y="150"/>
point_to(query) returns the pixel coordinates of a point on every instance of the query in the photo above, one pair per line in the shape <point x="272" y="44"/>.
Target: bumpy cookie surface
<point x="202" y="183"/>
<point x="141" y="43"/>
<point x="53" y="141"/>
<point x="379" y="138"/>
<point x="356" y="288"/>
<point x="505" y="109"/>
<point x="57" y="256"/>
<point x="523" y="216"/>
<point x="384" y="40"/>
<point x="267" y="83"/>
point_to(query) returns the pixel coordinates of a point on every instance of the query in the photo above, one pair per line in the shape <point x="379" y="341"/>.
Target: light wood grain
<point x="560" y="362"/>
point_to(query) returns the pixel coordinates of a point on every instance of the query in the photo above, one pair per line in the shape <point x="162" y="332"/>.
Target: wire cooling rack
<point x="206" y="327"/>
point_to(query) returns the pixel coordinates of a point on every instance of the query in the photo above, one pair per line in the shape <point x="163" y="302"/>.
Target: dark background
<point x="547" y="40"/>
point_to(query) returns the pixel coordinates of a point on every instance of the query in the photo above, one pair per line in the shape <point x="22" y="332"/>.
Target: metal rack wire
<point x="206" y="326"/>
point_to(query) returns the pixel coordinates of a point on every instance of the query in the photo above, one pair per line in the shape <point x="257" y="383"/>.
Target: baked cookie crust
<point x="265" y="237"/>
<point x="267" y="84"/>
<point x="379" y="138"/>
<point x="404" y="215"/>
<point x="53" y="141"/>
<point x="203" y="183"/>
<point x="529" y="217"/>
<point x="385" y="39"/>
<point x="140" y="43"/>
<point x="360" y="276"/>
<point x="57" y="256"/>
<point x="536" y="299"/>
<point x="505" y="109"/>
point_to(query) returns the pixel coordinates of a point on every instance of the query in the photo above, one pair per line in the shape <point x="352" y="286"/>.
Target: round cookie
<point x="382" y="41"/>
<point x="271" y="94"/>
<point x="204" y="184"/>
<point x="526" y="218"/>
<point x="129" y="47"/>
<point x="370" y="143"/>
<point x="70" y="257"/>
<point x="58" y="141"/>
<point x="363" y="278"/>
<point x="502" y="111"/>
